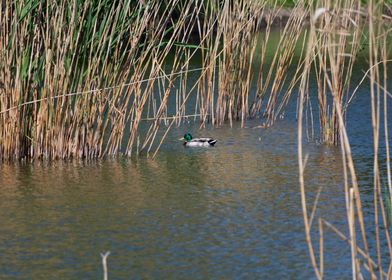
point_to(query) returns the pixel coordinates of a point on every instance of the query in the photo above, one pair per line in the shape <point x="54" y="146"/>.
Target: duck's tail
<point x="212" y="142"/>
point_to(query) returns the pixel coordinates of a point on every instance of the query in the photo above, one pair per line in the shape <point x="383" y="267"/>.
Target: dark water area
<point x="228" y="212"/>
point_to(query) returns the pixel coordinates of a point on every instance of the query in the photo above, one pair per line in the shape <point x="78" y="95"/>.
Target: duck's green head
<point x="188" y="137"/>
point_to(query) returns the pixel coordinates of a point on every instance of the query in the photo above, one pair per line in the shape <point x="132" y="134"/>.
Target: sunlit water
<point x="232" y="211"/>
<point x="228" y="212"/>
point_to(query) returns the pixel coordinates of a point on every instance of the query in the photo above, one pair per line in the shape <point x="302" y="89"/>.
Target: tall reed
<point x="333" y="59"/>
<point x="272" y="87"/>
<point x="71" y="74"/>
<point x="77" y="81"/>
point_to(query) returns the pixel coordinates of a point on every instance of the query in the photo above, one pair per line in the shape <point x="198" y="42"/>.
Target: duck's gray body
<point x="198" y="142"/>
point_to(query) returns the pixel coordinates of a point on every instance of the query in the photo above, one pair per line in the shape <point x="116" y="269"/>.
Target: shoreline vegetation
<point x="77" y="80"/>
<point x="67" y="92"/>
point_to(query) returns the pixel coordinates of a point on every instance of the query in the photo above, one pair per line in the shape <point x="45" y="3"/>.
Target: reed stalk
<point x="116" y="53"/>
<point x="52" y="50"/>
<point x="332" y="48"/>
<point x="104" y="257"/>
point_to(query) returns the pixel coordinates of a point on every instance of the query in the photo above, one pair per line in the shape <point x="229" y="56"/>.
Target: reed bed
<point x="78" y="80"/>
<point x="274" y="85"/>
<point x="331" y="51"/>
<point x="71" y="74"/>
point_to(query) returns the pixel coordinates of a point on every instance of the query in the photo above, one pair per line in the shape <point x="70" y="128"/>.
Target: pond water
<point x="228" y="212"/>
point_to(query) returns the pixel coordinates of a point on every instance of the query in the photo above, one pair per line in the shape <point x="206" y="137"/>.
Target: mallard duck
<point x="197" y="142"/>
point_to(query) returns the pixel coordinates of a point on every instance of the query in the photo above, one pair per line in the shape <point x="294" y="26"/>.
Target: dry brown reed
<point x="332" y="48"/>
<point x="272" y="87"/>
<point x="70" y="75"/>
<point x="227" y="55"/>
<point x="104" y="257"/>
<point x="78" y="81"/>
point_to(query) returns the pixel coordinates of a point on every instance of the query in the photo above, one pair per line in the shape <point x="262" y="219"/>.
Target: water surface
<point x="228" y="212"/>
